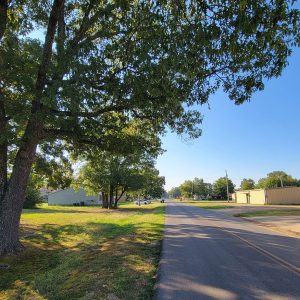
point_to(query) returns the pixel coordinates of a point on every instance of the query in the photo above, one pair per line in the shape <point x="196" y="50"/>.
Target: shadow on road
<point x="202" y="261"/>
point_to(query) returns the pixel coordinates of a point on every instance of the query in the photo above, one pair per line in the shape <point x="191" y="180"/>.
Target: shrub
<point x="33" y="197"/>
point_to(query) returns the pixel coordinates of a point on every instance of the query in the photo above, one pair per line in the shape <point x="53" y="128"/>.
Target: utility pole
<point x="281" y="180"/>
<point x="227" y="186"/>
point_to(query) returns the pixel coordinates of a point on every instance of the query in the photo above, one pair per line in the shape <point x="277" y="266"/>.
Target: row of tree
<point x="273" y="179"/>
<point x="115" y="175"/>
<point x="199" y="188"/>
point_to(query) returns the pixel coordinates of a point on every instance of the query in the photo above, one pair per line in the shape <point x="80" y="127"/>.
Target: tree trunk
<point x="118" y="198"/>
<point x="104" y="200"/>
<point x="3" y="148"/>
<point x="13" y="200"/>
<point x="13" y="195"/>
<point x="111" y="197"/>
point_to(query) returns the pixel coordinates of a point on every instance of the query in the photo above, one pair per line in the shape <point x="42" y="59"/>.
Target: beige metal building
<point x="281" y="195"/>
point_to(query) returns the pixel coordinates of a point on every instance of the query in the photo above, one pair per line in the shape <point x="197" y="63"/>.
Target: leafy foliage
<point x="55" y="173"/>
<point x="220" y="187"/>
<point x="114" y="175"/>
<point x="33" y="196"/>
<point x="153" y="186"/>
<point x="107" y="67"/>
<point x="196" y="187"/>
<point x="277" y="179"/>
<point x="247" y="184"/>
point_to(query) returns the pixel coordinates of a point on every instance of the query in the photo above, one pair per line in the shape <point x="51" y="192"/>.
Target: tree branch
<point x="95" y="113"/>
<point x="47" y="50"/>
<point x="87" y="21"/>
<point x="71" y="135"/>
<point x="61" y="32"/>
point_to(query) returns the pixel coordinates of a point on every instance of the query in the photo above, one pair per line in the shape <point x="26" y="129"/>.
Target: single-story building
<point x="71" y="197"/>
<point x="44" y="192"/>
<point x="280" y="195"/>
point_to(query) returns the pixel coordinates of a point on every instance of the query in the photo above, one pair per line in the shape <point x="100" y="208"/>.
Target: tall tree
<point x="220" y="187"/>
<point x="201" y="188"/>
<point x="102" y="64"/>
<point x="247" y="184"/>
<point x="187" y="189"/>
<point x="114" y="175"/>
<point x="277" y="179"/>
<point x="154" y="183"/>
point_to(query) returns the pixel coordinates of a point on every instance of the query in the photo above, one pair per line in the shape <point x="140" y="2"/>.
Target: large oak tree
<point x="102" y="64"/>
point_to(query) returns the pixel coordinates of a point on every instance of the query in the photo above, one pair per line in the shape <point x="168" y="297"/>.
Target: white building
<point x="71" y="197"/>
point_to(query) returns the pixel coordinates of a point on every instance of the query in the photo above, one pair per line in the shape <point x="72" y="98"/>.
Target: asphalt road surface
<point x="209" y="255"/>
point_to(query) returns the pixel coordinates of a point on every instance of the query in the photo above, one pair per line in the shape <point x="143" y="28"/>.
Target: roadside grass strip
<point x="85" y="253"/>
<point x="261" y="213"/>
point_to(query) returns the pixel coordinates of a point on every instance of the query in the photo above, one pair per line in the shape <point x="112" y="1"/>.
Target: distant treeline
<point x="199" y="189"/>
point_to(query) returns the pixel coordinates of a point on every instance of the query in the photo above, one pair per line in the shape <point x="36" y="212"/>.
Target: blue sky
<point x="249" y="140"/>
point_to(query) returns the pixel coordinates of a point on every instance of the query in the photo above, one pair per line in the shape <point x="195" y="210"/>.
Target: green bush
<point x="33" y="197"/>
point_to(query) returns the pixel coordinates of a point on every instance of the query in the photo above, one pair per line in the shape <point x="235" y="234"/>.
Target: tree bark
<point x="111" y="197"/>
<point x="3" y="120"/>
<point x="104" y="200"/>
<point x="3" y="148"/>
<point x="14" y="195"/>
<point x="118" y="198"/>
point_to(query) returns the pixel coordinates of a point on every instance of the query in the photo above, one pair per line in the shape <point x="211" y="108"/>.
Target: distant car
<point x="162" y="201"/>
<point x="142" y="201"/>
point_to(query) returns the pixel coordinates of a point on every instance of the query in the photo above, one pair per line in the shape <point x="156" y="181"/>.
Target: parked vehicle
<point x="162" y="201"/>
<point x="142" y="201"/>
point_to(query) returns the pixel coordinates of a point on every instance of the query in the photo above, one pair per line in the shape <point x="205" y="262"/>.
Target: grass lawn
<point x="85" y="253"/>
<point x="261" y="213"/>
<point x="208" y="204"/>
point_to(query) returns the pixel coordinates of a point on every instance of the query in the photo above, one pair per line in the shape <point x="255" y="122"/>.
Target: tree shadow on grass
<point x="68" y="261"/>
<point x="91" y="210"/>
<point x="68" y="210"/>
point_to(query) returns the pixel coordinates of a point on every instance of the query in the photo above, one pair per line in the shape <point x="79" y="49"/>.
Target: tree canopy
<point x="115" y="175"/>
<point x="220" y="187"/>
<point x="195" y="187"/>
<point x="102" y="71"/>
<point x="277" y="179"/>
<point x="247" y="184"/>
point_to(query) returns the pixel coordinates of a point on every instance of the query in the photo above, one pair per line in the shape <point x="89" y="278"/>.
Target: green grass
<point x="85" y="253"/>
<point x="261" y="213"/>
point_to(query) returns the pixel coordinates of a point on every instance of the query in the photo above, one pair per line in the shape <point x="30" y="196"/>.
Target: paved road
<point x="210" y="255"/>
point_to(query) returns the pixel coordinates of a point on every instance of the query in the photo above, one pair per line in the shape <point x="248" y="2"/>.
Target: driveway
<point x="210" y="255"/>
